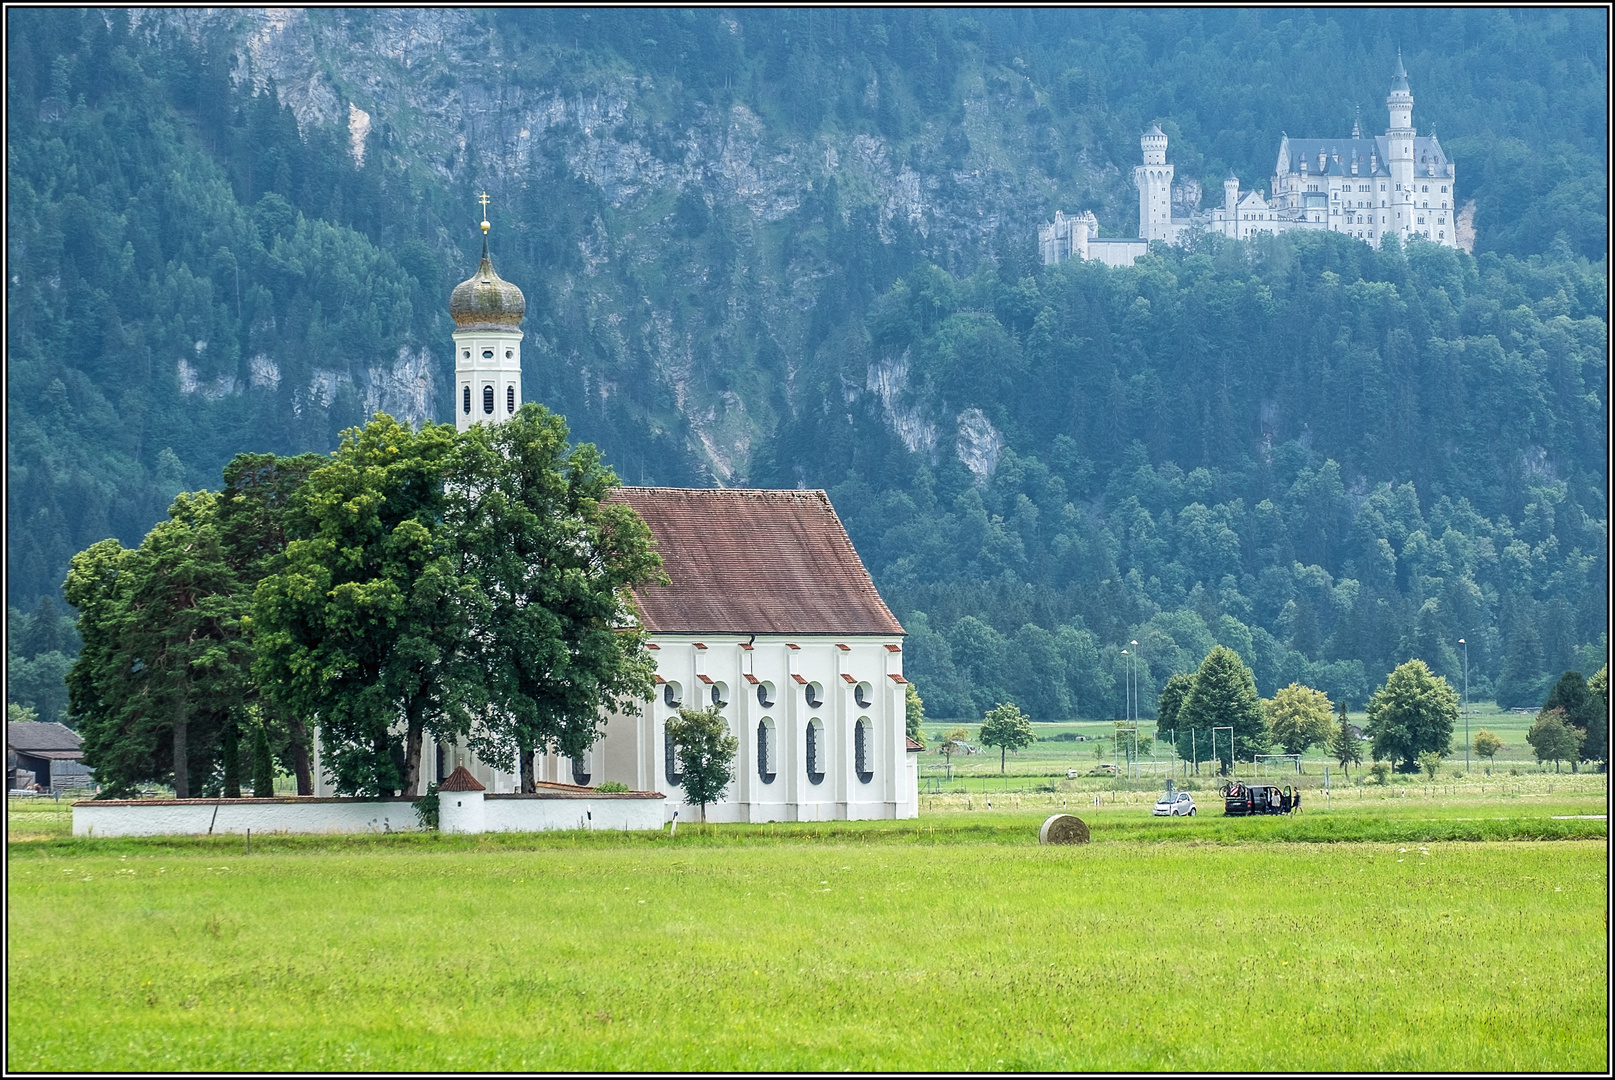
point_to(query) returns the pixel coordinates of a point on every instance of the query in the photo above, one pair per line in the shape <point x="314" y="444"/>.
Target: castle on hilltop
<point x="1397" y="184"/>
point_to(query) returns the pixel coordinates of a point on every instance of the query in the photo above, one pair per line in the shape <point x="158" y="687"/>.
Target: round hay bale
<point x="1063" y="829"/>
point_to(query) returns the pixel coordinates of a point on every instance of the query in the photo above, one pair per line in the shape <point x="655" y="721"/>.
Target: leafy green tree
<point x="258" y="516"/>
<point x="913" y="713"/>
<point x="952" y="742"/>
<point x="1412" y="712"/>
<point x="706" y="753"/>
<point x="1169" y="709"/>
<point x="1597" y="742"/>
<point x="20" y="714"/>
<point x="1344" y="745"/>
<point x="164" y="659"/>
<point x="1430" y="762"/>
<point x="1487" y="745"/>
<point x="1380" y="770"/>
<point x="263" y="764"/>
<point x="1552" y="739"/>
<point x="1300" y="718"/>
<point x="1583" y="711"/>
<point x="1224" y="695"/>
<point x="369" y="621"/>
<point x="554" y="563"/>
<point x="1007" y="728"/>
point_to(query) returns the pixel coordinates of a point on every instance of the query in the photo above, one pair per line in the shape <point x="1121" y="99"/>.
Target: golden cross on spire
<point x="483" y="199"/>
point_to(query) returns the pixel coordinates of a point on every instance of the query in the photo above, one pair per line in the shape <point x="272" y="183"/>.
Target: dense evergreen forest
<point x="796" y="247"/>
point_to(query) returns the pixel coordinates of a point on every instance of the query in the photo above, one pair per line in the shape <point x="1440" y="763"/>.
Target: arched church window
<point x="487" y="354"/>
<point x="582" y="767"/>
<point x="467" y="399"/>
<point x="487" y="400"/>
<point x="815" y="751"/>
<point x="675" y="775"/>
<point x="510" y="399"/>
<point x="766" y="750"/>
<point x="860" y="751"/>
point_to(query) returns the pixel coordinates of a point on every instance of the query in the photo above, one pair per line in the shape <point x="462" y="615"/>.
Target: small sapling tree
<point x="1487" y="745"/>
<point x="706" y="753"/>
<point x="1430" y="762"/>
<point x="1007" y="728"/>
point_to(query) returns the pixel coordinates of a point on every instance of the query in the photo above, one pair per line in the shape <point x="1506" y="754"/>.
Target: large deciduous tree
<point x="1223" y="695"/>
<point x="164" y="661"/>
<point x="554" y="627"/>
<point x="1300" y="718"/>
<point x="1412" y="713"/>
<point x="366" y="626"/>
<point x="1007" y="728"/>
<point x="257" y="518"/>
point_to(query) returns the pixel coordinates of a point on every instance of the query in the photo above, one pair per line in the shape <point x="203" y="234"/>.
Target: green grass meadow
<point x="1447" y="934"/>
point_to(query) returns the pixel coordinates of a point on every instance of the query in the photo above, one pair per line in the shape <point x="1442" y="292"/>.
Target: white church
<point x="770" y="616"/>
<point x="1397" y="184"/>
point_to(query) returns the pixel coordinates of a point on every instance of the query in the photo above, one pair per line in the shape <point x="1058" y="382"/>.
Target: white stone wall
<point x="458" y="812"/>
<point x="198" y="817"/>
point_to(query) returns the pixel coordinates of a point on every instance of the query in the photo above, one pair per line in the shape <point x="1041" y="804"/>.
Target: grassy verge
<point x="843" y="953"/>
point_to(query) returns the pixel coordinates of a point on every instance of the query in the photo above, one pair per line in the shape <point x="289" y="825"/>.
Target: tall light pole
<point x="1465" y="644"/>
<point x="1127" y="699"/>
<point x="1134" y="644"/>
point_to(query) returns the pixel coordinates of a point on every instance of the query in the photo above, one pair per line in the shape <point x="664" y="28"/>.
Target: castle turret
<point x="1230" y="192"/>
<point x="1154" y="180"/>
<point x="487" y="312"/>
<point x="1399" y="150"/>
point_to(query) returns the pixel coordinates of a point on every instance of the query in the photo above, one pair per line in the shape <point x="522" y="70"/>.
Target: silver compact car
<point x="1178" y="804"/>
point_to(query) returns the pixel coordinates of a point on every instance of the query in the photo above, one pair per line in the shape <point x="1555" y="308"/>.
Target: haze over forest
<point x="782" y="248"/>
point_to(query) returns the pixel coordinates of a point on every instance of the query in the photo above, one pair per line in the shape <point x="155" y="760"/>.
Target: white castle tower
<point x="487" y="312"/>
<point x="1154" y="180"/>
<point x="1399" y="151"/>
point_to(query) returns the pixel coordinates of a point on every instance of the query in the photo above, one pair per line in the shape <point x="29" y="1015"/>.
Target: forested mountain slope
<point x="770" y="247"/>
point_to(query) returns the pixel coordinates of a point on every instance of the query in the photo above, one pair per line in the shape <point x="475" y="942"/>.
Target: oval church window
<point x="487" y="354"/>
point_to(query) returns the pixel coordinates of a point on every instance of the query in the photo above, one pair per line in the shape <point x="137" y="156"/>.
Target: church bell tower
<point x="487" y="312"/>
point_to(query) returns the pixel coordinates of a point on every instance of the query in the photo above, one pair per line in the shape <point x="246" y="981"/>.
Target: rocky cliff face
<point x="444" y="96"/>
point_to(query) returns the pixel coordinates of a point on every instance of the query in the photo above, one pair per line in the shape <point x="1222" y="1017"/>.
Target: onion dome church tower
<point x="487" y="312"/>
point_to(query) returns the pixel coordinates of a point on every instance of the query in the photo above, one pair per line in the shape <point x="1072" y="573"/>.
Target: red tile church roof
<point x="751" y="561"/>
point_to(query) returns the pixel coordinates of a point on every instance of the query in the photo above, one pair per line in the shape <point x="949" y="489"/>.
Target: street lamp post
<point x="1465" y="644"/>
<point x="1127" y="704"/>
<point x="1134" y="644"/>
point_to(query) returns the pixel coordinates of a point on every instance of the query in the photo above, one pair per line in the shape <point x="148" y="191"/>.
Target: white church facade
<point x="770" y="616"/>
<point x="1397" y="184"/>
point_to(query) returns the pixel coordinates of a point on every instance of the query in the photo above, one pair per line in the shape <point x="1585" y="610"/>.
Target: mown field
<point x="1051" y="756"/>
<point x="1333" y="940"/>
